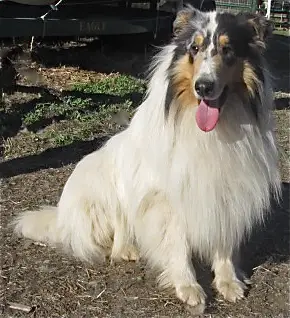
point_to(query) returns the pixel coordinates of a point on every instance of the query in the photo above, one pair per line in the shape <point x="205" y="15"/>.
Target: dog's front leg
<point x="178" y="270"/>
<point x="181" y="273"/>
<point x="226" y="281"/>
<point x="163" y="241"/>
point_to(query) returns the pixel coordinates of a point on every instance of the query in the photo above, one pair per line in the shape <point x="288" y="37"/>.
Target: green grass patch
<point x="84" y="109"/>
<point x="86" y="126"/>
<point x="59" y="123"/>
<point x="71" y="108"/>
<point x="82" y="120"/>
<point x="114" y="85"/>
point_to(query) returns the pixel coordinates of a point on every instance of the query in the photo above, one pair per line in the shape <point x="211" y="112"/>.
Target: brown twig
<point x="20" y="307"/>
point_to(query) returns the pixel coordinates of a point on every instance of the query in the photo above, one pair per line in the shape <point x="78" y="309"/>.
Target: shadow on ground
<point x="127" y="54"/>
<point x="278" y="57"/>
<point x="270" y="242"/>
<point x="50" y="158"/>
<point x="282" y="103"/>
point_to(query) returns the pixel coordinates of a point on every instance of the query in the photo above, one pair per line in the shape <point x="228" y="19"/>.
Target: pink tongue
<point x="206" y="116"/>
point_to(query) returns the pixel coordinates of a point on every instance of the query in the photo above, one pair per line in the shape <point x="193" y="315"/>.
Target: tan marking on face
<point x="223" y="40"/>
<point x="198" y="40"/>
<point x="183" y="81"/>
<point x="250" y="78"/>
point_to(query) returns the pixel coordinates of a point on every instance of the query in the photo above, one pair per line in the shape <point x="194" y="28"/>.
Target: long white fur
<point x="168" y="187"/>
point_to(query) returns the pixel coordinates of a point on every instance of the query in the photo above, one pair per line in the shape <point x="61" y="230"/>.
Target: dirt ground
<point x="52" y="284"/>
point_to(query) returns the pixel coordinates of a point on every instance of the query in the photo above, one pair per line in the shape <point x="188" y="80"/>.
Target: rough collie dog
<point x="193" y="172"/>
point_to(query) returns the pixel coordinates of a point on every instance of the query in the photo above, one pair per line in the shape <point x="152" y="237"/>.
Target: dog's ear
<point x="182" y="19"/>
<point x="262" y="27"/>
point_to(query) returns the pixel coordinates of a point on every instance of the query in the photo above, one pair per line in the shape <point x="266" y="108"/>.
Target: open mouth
<point x="208" y="111"/>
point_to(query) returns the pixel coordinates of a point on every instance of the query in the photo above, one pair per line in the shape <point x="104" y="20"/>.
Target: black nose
<point x="204" y="88"/>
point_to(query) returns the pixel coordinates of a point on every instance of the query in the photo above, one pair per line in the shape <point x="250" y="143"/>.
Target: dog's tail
<point x="85" y="235"/>
<point x="38" y="225"/>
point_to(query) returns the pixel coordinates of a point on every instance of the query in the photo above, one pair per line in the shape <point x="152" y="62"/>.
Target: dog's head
<point x="214" y="52"/>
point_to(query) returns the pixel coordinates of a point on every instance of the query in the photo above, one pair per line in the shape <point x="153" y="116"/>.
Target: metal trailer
<point x="29" y="18"/>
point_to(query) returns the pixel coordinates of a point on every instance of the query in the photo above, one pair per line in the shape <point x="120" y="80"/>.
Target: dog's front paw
<point x="130" y="253"/>
<point x="232" y="290"/>
<point x="192" y="295"/>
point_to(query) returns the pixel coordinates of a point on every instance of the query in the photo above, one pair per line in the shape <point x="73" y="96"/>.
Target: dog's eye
<point x="194" y="50"/>
<point x="227" y="50"/>
<point x="228" y="54"/>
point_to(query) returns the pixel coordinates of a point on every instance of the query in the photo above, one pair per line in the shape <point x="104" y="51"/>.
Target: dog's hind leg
<point x="226" y="281"/>
<point x="124" y="247"/>
<point x="163" y="242"/>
